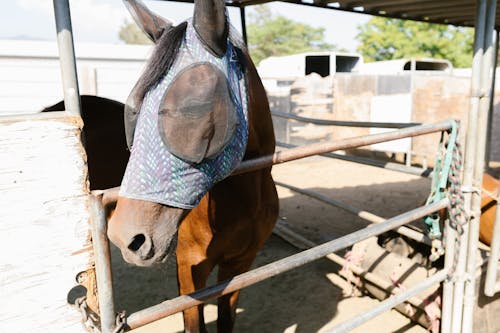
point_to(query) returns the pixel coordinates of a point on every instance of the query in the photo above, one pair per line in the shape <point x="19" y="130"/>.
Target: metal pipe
<point x="389" y="303"/>
<point x="102" y="259"/>
<point x="283" y="230"/>
<point x="67" y="57"/>
<point x="450" y="237"/>
<point x="367" y="216"/>
<point x="469" y="163"/>
<point x="325" y="122"/>
<point x="491" y="108"/>
<point x="111" y="195"/>
<point x="422" y="172"/>
<point x="243" y="24"/>
<point x="491" y="285"/>
<point x="329" y="146"/>
<point x="180" y="303"/>
<point x="482" y="125"/>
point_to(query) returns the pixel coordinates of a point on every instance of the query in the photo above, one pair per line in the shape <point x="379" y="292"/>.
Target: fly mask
<point x="192" y="127"/>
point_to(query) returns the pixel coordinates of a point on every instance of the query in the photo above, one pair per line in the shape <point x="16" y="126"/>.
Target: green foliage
<point x="130" y="33"/>
<point x="270" y="35"/>
<point x="387" y="39"/>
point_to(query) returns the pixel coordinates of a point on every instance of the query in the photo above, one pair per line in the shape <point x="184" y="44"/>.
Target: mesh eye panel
<point x="153" y="173"/>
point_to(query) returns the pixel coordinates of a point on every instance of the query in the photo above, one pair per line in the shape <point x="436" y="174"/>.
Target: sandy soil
<point x="307" y="299"/>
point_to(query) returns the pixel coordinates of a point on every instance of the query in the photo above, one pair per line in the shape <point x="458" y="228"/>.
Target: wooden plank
<point x="44" y="222"/>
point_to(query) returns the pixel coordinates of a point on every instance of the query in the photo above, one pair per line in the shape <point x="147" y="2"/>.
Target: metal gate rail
<point x="390" y="303"/>
<point x="325" y="122"/>
<point x="411" y="170"/>
<point x="164" y="309"/>
<point x="148" y="315"/>
<point x="183" y="302"/>
<point x="329" y="146"/>
<point x="367" y="216"/>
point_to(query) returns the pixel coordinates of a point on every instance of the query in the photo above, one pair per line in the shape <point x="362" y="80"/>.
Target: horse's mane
<point x="162" y="59"/>
<point x="165" y="52"/>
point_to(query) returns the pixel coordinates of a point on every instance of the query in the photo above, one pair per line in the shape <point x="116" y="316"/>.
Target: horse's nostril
<point x="137" y="242"/>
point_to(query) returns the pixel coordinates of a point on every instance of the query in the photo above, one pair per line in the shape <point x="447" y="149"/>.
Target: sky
<point x="98" y="21"/>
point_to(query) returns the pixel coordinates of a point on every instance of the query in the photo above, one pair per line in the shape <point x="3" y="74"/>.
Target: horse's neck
<point x="261" y="139"/>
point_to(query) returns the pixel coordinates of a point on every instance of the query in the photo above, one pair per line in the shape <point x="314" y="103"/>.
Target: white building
<point x="30" y="76"/>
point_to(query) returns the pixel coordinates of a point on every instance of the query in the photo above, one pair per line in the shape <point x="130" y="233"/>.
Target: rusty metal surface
<point x="436" y="98"/>
<point x="148" y="315"/>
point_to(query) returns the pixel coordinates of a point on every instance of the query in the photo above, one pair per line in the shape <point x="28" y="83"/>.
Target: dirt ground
<point x="307" y="299"/>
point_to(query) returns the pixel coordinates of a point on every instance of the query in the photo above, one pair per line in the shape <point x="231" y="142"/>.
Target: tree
<point x="130" y="33"/>
<point x="386" y="39"/>
<point x="270" y="35"/>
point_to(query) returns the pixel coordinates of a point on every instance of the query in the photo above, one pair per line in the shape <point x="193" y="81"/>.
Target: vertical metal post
<point x="102" y="258"/>
<point x="469" y="163"/>
<point x="480" y="148"/>
<point x="449" y="257"/>
<point x="413" y="69"/>
<point x="491" y="285"/>
<point x="67" y="57"/>
<point x="243" y="24"/>
<point x="492" y="102"/>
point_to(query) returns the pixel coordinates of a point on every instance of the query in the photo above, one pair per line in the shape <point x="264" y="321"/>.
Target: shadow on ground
<point x="302" y="300"/>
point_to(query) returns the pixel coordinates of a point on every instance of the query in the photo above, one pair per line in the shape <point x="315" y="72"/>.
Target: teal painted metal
<point x="440" y="178"/>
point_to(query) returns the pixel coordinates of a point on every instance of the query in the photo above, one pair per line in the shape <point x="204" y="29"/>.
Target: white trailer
<point x="277" y="72"/>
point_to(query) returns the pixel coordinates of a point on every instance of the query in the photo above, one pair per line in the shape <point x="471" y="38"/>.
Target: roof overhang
<point x="454" y="12"/>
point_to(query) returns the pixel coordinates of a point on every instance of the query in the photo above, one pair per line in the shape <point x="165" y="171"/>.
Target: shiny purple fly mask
<point x="192" y="128"/>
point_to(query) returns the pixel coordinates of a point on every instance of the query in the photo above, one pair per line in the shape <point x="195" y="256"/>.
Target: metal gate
<point x="458" y="273"/>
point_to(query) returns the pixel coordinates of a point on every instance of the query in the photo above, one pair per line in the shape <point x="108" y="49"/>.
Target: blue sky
<point x="99" y="20"/>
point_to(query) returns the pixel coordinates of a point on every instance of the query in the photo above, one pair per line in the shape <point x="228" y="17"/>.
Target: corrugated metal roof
<point x="455" y="12"/>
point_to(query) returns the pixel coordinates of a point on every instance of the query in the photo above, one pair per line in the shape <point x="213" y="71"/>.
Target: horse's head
<point x="187" y="126"/>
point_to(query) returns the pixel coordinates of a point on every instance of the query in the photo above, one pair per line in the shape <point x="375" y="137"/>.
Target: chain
<point x="457" y="214"/>
<point x="121" y="322"/>
<point x="91" y="321"/>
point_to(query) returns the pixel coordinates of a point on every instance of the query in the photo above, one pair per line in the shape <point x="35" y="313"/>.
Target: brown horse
<point x="488" y="208"/>
<point x="233" y="220"/>
<point x="104" y="136"/>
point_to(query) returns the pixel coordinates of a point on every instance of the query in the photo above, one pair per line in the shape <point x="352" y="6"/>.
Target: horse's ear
<point x="210" y="22"/>
<point x="152" y="24"/>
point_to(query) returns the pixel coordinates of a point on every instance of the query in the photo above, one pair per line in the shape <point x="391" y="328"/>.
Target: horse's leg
<point x="194" y="264"/>
<point x="192" y="276"/>
<point x="226" y="309"/>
